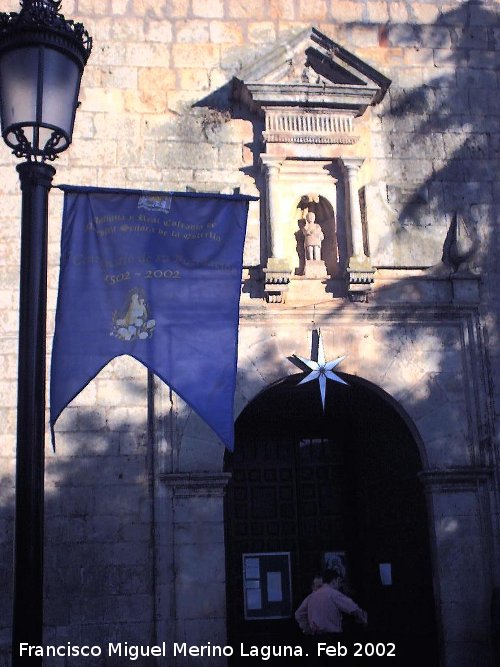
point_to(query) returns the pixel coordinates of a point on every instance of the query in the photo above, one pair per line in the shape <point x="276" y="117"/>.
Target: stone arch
<point x="347" y="480"/>
<point x="400" y="408"/>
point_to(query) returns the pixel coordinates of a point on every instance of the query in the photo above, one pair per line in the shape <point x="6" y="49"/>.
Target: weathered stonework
<point x="134" y="492"/>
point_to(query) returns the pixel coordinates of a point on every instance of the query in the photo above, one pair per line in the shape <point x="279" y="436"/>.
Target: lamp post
<point x="42" y="57"/>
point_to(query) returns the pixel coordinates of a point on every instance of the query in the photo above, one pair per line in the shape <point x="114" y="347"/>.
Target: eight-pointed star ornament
<point x="320" y="369"/>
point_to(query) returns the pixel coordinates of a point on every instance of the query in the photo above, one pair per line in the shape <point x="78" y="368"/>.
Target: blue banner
<point x="156" y="276"/>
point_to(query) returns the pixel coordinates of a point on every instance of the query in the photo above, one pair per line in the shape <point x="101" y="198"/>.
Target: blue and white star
<point x="321" y="369"/>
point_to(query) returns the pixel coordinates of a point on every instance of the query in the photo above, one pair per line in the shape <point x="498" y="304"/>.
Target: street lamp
<point x="42" y="57"/>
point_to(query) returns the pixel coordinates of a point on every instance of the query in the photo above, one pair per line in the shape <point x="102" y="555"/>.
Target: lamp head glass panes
<point x="42" y="56"/>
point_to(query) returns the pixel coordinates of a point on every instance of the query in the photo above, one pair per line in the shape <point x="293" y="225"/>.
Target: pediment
<point x="311" y="70"/>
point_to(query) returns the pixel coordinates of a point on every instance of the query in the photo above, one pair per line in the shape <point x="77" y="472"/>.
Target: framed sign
<point x="267" y="588"/>
<point x="336" y="560"/>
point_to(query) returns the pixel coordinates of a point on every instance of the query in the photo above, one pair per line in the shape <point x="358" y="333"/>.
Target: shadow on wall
<point x="447" y="131"/>
<point x="99" y="535"/>
<point x="6" y="539"/>
<point x="99" y="525"/>
<point x="448" y="126"/>
<point x="98" y="528"/>
<point x="442" y="135"/>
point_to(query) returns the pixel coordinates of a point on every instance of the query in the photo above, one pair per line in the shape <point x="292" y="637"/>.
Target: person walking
<point x="301" y="613"/>
<point x="325" y="608"/>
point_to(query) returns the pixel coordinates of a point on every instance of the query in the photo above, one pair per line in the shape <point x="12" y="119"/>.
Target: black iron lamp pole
<point x="36" y="179"/>
<point x="42" y="57"/>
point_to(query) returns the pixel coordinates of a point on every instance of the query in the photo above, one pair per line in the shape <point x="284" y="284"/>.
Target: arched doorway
<point x="342" y="484"/>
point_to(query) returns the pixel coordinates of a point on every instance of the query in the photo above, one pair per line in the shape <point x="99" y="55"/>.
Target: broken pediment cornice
<point x="310" y="70"/>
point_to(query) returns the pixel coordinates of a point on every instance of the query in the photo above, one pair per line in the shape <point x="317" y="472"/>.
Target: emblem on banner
<point x="133" y="321"/>
<point x="155" y="203"/>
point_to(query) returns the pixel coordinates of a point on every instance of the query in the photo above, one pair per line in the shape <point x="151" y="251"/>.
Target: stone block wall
<point x="155" y="114"/>
<point x="99" y="541"/>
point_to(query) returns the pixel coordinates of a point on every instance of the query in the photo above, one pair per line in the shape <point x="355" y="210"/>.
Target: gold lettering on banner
<point x="149" y="224"/>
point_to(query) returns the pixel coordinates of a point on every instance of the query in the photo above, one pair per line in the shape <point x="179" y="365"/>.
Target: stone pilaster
<point x="271" y="167"/>
<point x="198" y="559"/>
<point x="277" y="272"/>
<point x="352" y="168"/>
<point x="463" y="571"/>
<point x="360" y="271"/>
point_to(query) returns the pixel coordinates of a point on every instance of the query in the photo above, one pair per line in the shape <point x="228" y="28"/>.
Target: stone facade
<point x="134" y="493"/>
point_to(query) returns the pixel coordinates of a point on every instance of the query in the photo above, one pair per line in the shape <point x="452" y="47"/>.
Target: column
<point x="352" y="166"/>
<point x="272" y="167"/>
<point x="277" y="272"/>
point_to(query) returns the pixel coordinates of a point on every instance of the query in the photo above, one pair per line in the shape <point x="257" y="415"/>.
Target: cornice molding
<point x="196" y="484"/>
<point x="313" y="72"/>
<point x="455" y="478"/>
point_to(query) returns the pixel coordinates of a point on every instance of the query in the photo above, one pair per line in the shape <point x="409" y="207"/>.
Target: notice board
<point x="267" y="585"/>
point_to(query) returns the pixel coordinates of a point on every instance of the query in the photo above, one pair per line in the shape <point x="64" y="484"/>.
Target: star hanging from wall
<point x="320" y="369"/>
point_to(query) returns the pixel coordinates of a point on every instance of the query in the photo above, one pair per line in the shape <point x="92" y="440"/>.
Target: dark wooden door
<point x="346" y="480"/>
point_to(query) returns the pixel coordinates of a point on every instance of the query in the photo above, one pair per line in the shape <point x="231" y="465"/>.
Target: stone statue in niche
<point x="313" y="237"/>
<point x="314" y="266"/>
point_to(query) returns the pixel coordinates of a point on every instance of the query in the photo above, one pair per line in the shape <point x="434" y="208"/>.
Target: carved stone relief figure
<point x="313" y="237"/>
<point x="317" y="244"/>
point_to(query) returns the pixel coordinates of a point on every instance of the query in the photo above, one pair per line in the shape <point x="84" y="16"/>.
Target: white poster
<point x="252" y="568"/>
<point x="274" y="590"/>
<point x="254" y="598"/>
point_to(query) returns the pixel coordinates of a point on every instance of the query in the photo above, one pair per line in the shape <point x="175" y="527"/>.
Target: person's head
<point x="310" y="216"/>
<point x="317" y="582"/>
<point x="333" y="577"/>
